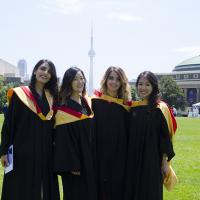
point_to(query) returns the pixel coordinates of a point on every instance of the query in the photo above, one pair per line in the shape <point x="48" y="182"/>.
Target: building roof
<point x="191" y="64"/>
<point x="8" y="69"/>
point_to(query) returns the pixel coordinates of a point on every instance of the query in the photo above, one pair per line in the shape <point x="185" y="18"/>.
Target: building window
<point x="177" y="76"/>
<point x="195" y="75"/>
<point x="186" y="76"/>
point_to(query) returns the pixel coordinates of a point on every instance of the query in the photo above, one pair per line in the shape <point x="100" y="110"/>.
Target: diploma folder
<point x="10" y="159"/>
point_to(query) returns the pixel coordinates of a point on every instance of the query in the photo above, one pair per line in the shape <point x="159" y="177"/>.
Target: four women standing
<point x="131" y="153"/>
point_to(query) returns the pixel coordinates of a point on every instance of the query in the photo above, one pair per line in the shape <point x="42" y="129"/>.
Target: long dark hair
<point x="52" y="84"/>
<point x="124" y="90"/>
<point x="155" y="94"/>
<point x="66" y="87"/>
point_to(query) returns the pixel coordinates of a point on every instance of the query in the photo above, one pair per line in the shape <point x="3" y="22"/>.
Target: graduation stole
<point x="170" y="119"/>
<point x="26" y="96"/>
<point x="100" y="95"/>
<point x="139" y="103"/>
<point x="171" y="179"/>
<point x="67" y="115"/>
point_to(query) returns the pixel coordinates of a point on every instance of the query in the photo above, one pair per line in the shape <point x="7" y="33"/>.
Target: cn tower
<point x="91" y="54"/>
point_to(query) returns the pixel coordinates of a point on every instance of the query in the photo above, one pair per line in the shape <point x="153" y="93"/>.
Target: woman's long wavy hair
<point x="52" y="84"/>
<point x="66" y="86"/>
<point x="124" y="90"/>
<point x="155" y="94"/>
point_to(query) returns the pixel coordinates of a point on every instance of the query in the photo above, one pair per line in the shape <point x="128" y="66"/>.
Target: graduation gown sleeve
<point x="165" y="141"/>
<point x="7" y="133"/>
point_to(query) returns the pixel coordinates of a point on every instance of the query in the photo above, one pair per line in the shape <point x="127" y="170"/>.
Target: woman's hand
<point x="4" y="161"/>
<point x="165" y="168"/>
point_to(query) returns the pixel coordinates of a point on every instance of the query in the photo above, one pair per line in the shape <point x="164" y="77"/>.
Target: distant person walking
<point x="5" y="109"/>
<point x="174" y="111"/>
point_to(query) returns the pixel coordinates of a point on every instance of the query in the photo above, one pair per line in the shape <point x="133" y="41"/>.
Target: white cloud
<point x="115" y="3"/>
<point x="189" y="50"/>
<point x="123" y="16"/>
<point x="64" y="7"/>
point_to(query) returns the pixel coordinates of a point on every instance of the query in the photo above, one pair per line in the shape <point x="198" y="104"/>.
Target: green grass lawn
<point x="186" y="162"/>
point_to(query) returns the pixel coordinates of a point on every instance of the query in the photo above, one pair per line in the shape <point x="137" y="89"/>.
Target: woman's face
<point x="42" y="73"/>
<point x="144" y="88"/>
<point x="78" y="83"/>
<point x="113" y="82"/>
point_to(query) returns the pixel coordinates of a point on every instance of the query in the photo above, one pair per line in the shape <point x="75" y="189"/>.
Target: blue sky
<point x="136" y="35"/>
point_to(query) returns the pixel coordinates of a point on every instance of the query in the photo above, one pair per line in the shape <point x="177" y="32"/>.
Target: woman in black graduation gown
<point x="111" y="122"/>
<point x="73" y="158"/>
<point x="28" y="126"/>
<point x="150" y="147"/>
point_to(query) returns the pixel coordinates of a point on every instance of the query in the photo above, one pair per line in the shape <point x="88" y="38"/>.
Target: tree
<point x="1" y="81"/>
<point x="3" y="91"/>
<point x="133" y="93"/>
<point x="172" y="93"/>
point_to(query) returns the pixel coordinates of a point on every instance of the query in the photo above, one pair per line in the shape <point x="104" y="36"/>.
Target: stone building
<point x="187" y="76"/>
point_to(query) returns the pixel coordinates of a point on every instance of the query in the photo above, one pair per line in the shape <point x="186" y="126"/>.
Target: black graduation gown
<point x="72" y="151"/>
<point x="111" y="120"/>
<point x="32" y="143"/>
<point x="148" y="140"/>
